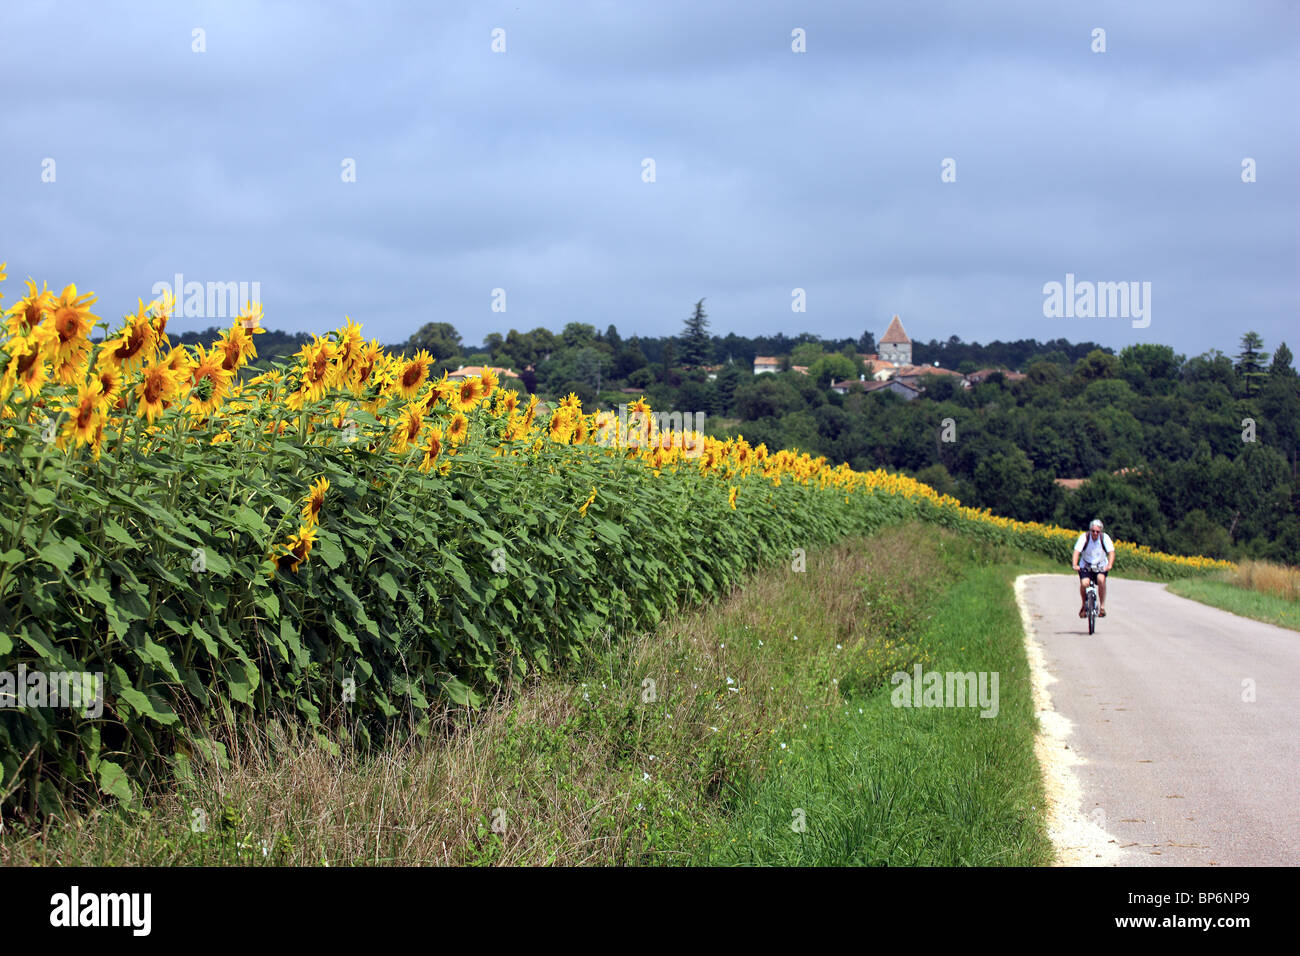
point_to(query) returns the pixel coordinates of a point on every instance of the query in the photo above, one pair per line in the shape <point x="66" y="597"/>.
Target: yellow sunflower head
<point x="315" y="500"/>
<point x="84" y="416"/>
<point x="457" y="428"/>
<point x="413" y="374"/>
<point x="432" y="449"/>
<point x="468" y="393"/>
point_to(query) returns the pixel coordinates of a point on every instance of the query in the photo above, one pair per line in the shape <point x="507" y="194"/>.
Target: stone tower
<point x="894" y="346"/>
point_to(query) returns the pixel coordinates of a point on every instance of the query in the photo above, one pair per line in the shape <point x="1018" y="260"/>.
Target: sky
<point x="217" y="139"/>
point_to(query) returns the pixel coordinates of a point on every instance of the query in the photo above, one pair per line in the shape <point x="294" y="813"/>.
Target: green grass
<point x="1229" y="597"/>
<point x="877" y="784"/>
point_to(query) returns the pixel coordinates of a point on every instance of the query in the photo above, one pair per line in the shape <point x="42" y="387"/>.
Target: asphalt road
<point x="1179" y="767"/>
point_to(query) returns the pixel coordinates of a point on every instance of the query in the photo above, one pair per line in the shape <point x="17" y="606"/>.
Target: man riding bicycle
<point x="1094" y="555"/>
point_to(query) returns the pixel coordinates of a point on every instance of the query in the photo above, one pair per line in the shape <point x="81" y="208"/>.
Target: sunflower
<point x="73" y="321"/>
<point x="132" y="346"/>
<point x="516" y="428"/>
<point x="27" y="365"/>
<point x="364" y="366"/>
<point x="162" y="311"/>
<point x="731" y="497"/>
<point x="580" y="430"/>
<point x="313" y="503"/>
<point x="440" y="391"/>
<point x="560" y="428"/>
<point x="236" y="345"/>
<point x="29" y="311"/>
<point x="571" y="401"/>
<point x="351" y="345"/>
<point x="587" y="504"/>
<point x="209" y="381"/>
<point x="432" y="448"/>
<point x="508" y="400"/>
<point x="468" y="394"/>
<point x="250" y="319"/>
<point x="408" y="427"/>
<point x="110" y="386"/>
<point x="157" y="388"/>
<point x="530" y="412"/>
<point x="457" y="429"/>
<point x="84" y="416"/>
<point x="97" y="440"/>
<point x="414" y="373"/>
<point x="317" y="368"/>
<point x="490" y="382"/>
<point x="294" y="551"/>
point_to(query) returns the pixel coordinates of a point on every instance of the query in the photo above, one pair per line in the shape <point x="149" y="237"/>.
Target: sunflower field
<point x="345" y="534"/>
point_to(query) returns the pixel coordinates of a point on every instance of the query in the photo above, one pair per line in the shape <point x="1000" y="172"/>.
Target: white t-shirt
<point x="1094" y="552"/>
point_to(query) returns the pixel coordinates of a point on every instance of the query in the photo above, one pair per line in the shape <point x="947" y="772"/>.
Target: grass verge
<point x="878" y="784"/>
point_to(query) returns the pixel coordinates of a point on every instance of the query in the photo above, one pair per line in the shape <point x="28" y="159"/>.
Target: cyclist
<point x="1094" y="554"/>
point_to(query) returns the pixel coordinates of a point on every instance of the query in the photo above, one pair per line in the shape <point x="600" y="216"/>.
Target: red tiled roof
<point x="467" y="371"/>
<point x="895" y="335"/>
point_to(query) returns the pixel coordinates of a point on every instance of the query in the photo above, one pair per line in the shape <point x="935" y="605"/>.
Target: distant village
<point x="891" y="368"/>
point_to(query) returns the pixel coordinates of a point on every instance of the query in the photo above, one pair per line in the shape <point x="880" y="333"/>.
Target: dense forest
<point x="1189" y="455"/>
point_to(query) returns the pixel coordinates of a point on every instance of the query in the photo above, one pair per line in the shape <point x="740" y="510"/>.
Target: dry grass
<point x="601" y="768"/>
<point x="1278" y="580"/>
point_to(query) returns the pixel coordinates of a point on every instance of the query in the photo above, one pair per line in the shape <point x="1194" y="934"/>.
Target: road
<point x="1174" y="763"/>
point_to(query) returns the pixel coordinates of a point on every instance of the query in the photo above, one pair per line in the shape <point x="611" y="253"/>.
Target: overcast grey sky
<point x="774" y="170"/>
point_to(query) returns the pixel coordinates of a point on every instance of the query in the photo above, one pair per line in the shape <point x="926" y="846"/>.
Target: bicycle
<point x="1090" y="602"/>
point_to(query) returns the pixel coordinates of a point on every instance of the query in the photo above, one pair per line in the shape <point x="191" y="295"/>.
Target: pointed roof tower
<point x="895" y="335"/>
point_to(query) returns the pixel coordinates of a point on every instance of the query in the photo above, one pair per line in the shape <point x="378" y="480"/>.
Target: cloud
<point x="774" y="170"/>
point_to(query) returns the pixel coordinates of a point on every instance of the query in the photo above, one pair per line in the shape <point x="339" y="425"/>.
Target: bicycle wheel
<point x="1092" y="610"/>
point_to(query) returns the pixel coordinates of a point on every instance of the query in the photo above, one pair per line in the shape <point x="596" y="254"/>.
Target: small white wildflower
<point x="783" y="746"/>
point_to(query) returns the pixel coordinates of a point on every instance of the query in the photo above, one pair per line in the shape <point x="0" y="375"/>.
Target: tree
<point x="1095" y="365"/>
<point x="669" y="359"/>
<point x="1250" y="362"/>
<point x="440" y="339"/>
<point x="806" y="354"/>
<point x="578" y="334"/>
<point x="1282" y="360"/>
<point x="697" y="348"/>
<point x="867" y="343"/>
<point x="830" y="367"/>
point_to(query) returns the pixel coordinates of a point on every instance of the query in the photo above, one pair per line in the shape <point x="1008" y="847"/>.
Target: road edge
<point x="1077" y="839"/>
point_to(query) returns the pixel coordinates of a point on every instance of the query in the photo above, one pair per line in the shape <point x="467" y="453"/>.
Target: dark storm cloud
<point x="775" y="170"/>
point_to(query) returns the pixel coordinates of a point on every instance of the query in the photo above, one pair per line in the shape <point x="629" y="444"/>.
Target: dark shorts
<point x="1090" y="574"/>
